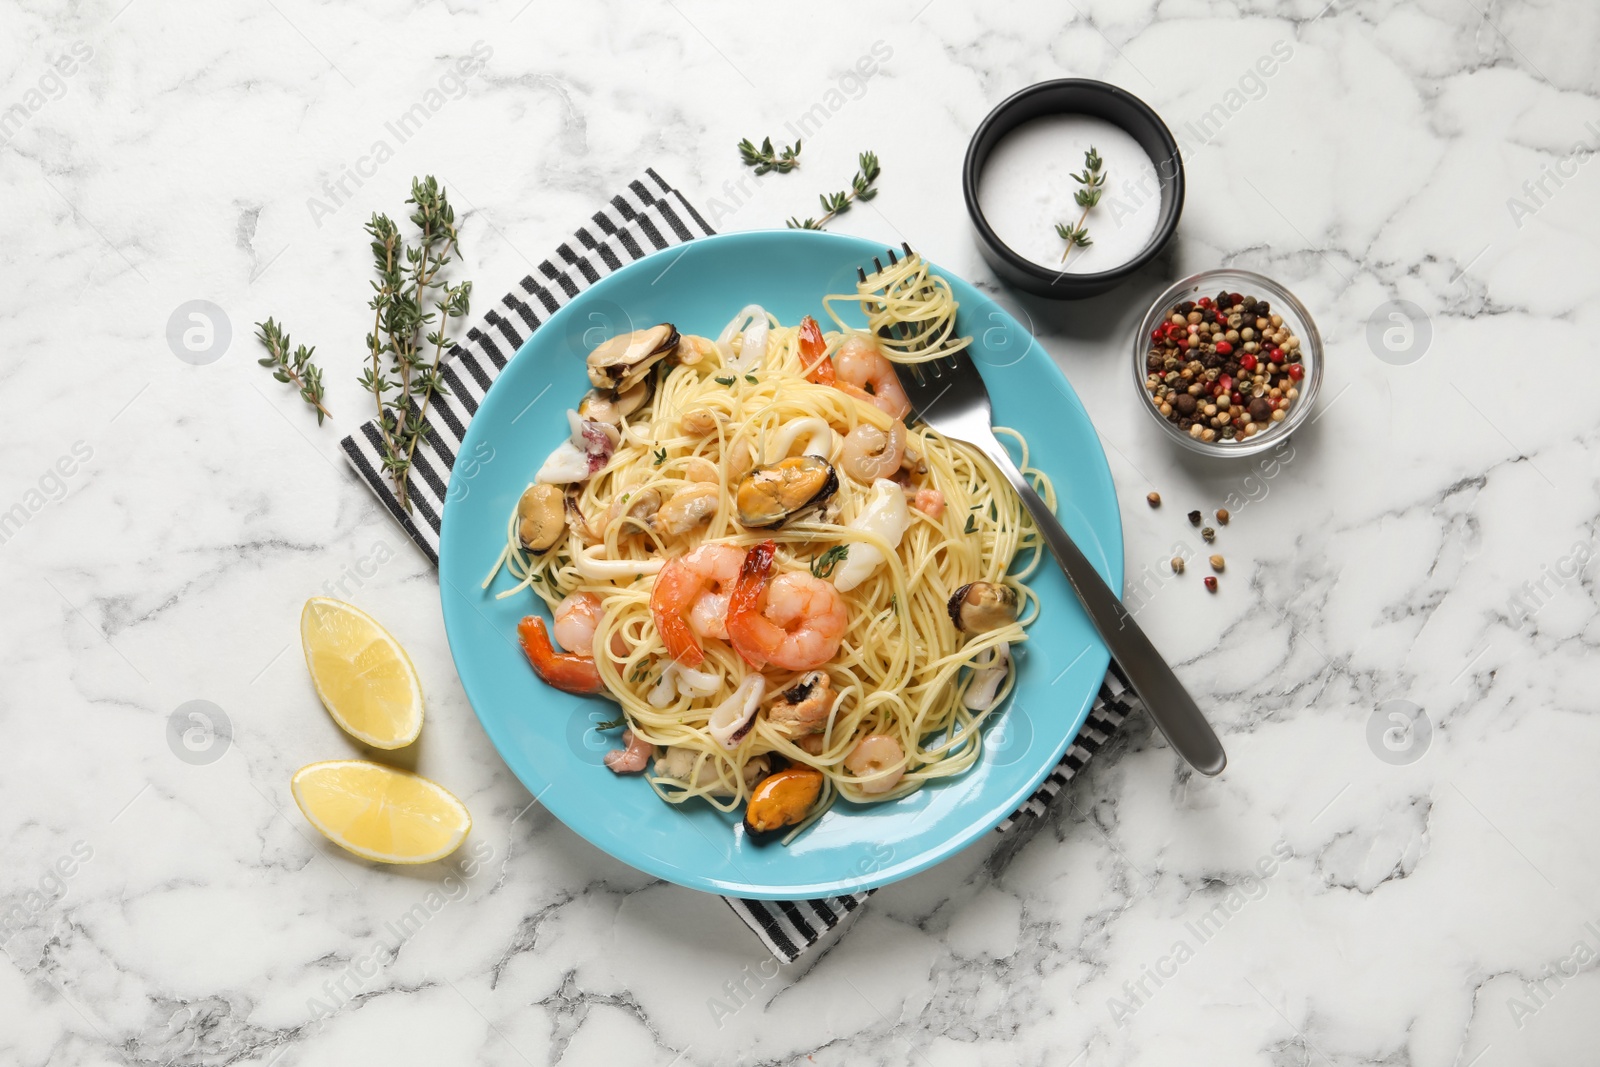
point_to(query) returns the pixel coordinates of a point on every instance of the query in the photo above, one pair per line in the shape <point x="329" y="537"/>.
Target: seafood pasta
<point x="794" y="595"/>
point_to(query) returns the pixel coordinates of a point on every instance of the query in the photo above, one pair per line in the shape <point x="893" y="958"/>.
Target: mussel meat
<point x="602" y="405"/>
<point x="782" y="799"/>
<point x="622" y="362"/>
<point x="979" y="607"/>
<point x="541" y="517"/>
<point x="775" y="492"/>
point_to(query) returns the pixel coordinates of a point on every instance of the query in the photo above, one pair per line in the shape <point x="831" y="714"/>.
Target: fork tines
<point x="878" y="263"/>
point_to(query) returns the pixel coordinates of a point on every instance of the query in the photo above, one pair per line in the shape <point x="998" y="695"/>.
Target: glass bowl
<point x="1281" y="302"/>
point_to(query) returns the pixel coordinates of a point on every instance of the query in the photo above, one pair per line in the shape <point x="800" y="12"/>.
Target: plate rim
<point x="1098" y="653"/>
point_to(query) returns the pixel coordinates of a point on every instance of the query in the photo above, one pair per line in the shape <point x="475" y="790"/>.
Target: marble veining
<point x="1363" y="885"/>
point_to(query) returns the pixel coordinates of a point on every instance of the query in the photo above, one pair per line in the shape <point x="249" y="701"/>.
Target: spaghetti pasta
<point x="689" y="595"/>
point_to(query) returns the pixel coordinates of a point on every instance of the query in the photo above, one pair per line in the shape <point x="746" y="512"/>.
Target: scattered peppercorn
<point x="1154" y="499"/>
<point x="1211" y="583"/>
<point x="1223" y="369"/>
<point x="1208" y="534"/>
<point x="1177" y="564"/>
<point x="1194" y="518"/>
<point x="1223" y="516"/>
<point x="1218" y="564"/>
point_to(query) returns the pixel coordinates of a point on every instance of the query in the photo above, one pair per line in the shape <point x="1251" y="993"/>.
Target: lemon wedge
<point x="365" y="679"/>
<point x="380" y="813"/>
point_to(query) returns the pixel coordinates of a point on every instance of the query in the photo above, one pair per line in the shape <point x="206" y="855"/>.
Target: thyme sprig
<point x="766" y="158"/>
<point x="411" y="307"/>
<point x="823" y="565"/>
<point x="385" y="250"/>
<point x="1093" y="182"/>
<point x="294" y="367"/>
<point x="455" y="304"/>
<point x="861" y="188"/>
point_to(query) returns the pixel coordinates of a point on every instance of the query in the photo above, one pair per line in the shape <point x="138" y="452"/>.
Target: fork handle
<point x="1168" y="702"/>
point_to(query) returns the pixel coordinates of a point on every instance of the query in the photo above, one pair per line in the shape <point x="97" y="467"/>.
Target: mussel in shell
<point x="608" y="407"/>
<point x="774" y="492"/>
<point x="782" y="799"/>
<point x="622" y="362"/>
<point x="979" y="607"/>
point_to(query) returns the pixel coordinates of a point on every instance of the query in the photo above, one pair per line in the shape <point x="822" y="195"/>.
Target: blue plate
<point x="547" y="737"/>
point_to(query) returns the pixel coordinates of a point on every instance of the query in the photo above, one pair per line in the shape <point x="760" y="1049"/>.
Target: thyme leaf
<point x="823" y="565"/>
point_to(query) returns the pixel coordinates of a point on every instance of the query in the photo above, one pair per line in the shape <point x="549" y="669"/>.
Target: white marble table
<point x="1327" y="901"/>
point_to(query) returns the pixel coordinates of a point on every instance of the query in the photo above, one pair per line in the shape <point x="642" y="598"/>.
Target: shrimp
<point x="866" y="373"/>
<point x="930" y="502"/>
<point x="870" y="453"/>
<point x="633" y="757"/>
<point x="699" y="584"/>
<point x="793" y="621"/>
<point x="576" y="618"/>
<point x="812" y="349"/>
<point x="566" y="671"/>
<point x="879" y="761"/>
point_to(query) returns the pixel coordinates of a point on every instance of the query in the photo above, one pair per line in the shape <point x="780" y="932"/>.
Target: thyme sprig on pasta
<point x="823" y="565"/>
<point x="862" y="187"/>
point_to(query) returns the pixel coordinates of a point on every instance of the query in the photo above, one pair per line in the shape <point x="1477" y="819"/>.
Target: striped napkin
<point x="645" y="217"/>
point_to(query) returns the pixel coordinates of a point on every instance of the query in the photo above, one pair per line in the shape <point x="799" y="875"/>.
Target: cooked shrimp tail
<point x="676" y="635"/>
<point x="745" y="605"/>
<point x="563" y="670"/>
<point x="813" y="353"/>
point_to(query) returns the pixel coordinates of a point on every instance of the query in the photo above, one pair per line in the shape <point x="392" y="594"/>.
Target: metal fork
<point x="949" y="395"/>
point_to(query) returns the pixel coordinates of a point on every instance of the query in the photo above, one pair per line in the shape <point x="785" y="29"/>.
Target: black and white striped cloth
<point x="647" y="216"/>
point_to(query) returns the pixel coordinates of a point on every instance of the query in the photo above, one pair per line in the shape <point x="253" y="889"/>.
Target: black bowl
<point x="1074" y="96"/>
